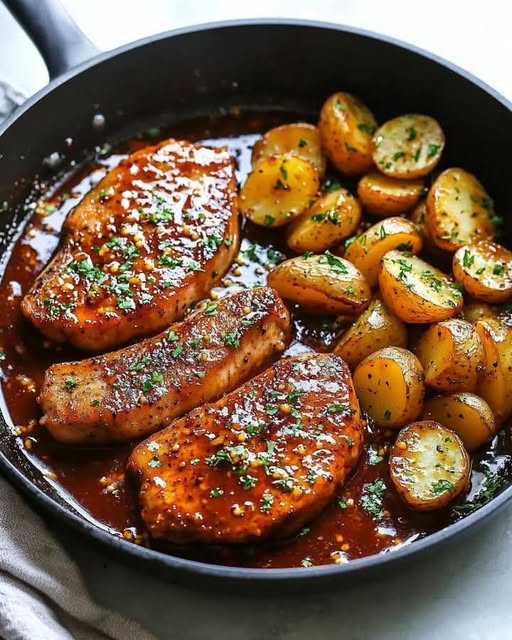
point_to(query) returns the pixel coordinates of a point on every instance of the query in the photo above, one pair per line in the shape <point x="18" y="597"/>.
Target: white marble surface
<point x="463" y="592"/>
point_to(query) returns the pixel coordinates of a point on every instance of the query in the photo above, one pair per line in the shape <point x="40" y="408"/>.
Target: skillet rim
<point x="195" y="568"/>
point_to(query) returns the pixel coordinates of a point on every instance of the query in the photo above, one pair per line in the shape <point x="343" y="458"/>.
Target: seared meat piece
<point x="258" y="463"/>
<point x="149" y="240"/>
<point x="135" y="391"/>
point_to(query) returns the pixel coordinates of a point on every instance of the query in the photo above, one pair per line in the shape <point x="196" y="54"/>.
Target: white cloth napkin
<point x="42" y="595"/>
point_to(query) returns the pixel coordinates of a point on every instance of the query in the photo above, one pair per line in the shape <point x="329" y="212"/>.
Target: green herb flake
<point x="467" y="258"/>
<point x="216" y="493"/>
<point x="442" y="486"/>
<point x="366" y="127"/>
<point x="432" y="150"/>
<point x="155" y="462"/>
<point x="268" y="220"/>
<point x="231" y="339"/>
<point x="372" y="499"/>
<point x="302" y="143"/>
<point x="71" y="383"/>
<point x="498" y="270"/>
<point x="335" y="263"/>
<point x="266" y="502"/>
<point x="306" y="562"/>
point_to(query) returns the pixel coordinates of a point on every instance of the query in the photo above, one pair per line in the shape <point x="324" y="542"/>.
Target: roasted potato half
<point x="429" y="465"/>
<point x="409" y="146"/>
<point x="389" y="385"/>
<point x="451" y="354"/>
<point x="384" y="196"/>
<point x="416" y="291"/>
<point x="328" y="221"/>
<point x="465" y="413"/>
<point x="346" y="128"/>
<point x="485" y="270"/>
<point x="299" y="139"/>
<point x="495" y="381"/>
<point x="322" y="284"/>
<point x="375" y="329"/>
<point x="459" y="211"/>
<point x="418" y="216"/>
<point x="367" y="250"/>
<point x="279" y="189"/>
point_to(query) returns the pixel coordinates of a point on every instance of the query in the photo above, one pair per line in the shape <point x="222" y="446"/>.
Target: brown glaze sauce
<point x="92" y="478"/>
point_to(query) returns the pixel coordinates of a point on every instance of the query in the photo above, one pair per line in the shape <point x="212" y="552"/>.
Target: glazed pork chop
<point x="136" y="390"/>
<point x="148" y="241"/>
<point x="258" y="463"/>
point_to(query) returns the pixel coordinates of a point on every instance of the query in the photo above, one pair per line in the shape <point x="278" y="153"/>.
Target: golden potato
<point x="321" y="284"/>
<point x="384" y="196"/>
<point x="299" y="139"/>
<point x="429" y="465"/>
<point x="346" y="127"/>
<point x="409" y="146"/>
<point x="390" y="388"/>
<point x="474" y="311"/>
<point x="459" y="211"/>
<point x="468" y="415"/>
<point x="495" y="381"/>
<point x="279" y="189"/>
<point x="451" y="354"/>
<point x="367" y="250"/>
<point x="375" y="328"/>
<point x="418" y="216"/>
<point x="330" y="219"/>
<point x="485" y="270"/>
<point x="415" y="291"/>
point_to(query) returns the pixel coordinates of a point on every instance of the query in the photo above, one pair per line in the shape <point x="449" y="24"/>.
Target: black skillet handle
<point x="52" y="30"/>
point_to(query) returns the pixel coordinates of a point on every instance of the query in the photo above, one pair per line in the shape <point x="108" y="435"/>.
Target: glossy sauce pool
<point x="366" y="517"/>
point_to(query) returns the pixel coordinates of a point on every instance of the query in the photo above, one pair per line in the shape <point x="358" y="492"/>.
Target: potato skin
<point x="451" y="353"/>
<point x="416" y="291"/>
<point x="322" y="284"/>
<point x="465" y="413"/>
<point x="495" y="380"/>
<point x="408" y="146"/>
<point x="299" y="139"/>
<point x="279" y="189"/>
<point x="384" y="196"/>
<point x="459" y="211"/>
<point x="367" y="250"/>
<point x="429" y="465"/>
<point x="330" y="219"/>
<point x="485" y="270"/>
<point x="375" y="329"/>
<point x="389" y="385"/>
<point x="346" y="127"/>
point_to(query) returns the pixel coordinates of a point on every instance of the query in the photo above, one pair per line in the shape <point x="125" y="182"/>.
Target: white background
<point x="463" y="592"/>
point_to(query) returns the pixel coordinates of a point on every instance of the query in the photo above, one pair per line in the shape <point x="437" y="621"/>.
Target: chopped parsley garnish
<point x="336" y="408"/>
<point x="432" y="150"/>
<point x="55" y="308"/>
<point x="247" y="482"/>
<point x="411" y="133"/>
<point x="442" y="486"/>
<point x="266" y="502"/>
<point x="303" y="143"/>
<point x="71" y="383"/>
<point x="86" y="269"/>
<point x="306" y="562"/>
<point x="375" y="458"/>
<point x="217" y="458"/>
<point x="334" y="262"/>
<point x="331" y="215"/>
<point x="366" y="127"/>
<point x="349" y="148"/>
<point x="398" y="155"/>
<point x="372" y="498"/>
<point x="155" y="462"/>
<point x="216" y="493"/>
<point x="283" y="170"/>
<point x="231" y="339"/>
<point x="387" y="414"/>
<point x="340" y="106"/>
<point x="342" y="504"/>
<point x="498" y="270"/>
<point x="210" y="308"/>
<point x="467" y="258"/>
<point x="285" y="484"/>
<point x="139" y="364"/>
<point x="177" y="351"/>
<point x="268" y="220"/>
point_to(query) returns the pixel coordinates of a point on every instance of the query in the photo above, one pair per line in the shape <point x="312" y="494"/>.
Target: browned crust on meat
<point x="148" y="241"/>
<point x="258" y="463"/>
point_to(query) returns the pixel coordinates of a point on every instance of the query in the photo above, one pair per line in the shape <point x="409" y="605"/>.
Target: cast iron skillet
<point x="269" y="64"/>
